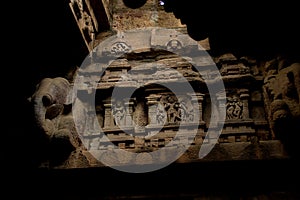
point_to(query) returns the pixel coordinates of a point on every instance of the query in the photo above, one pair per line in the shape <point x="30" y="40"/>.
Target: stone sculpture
<point x="51" y="102"/>
<point x="282" y="95"/>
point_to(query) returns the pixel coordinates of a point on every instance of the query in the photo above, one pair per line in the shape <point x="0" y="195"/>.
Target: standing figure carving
<point x="172" y="108"/>
<point x="119" y="113"/>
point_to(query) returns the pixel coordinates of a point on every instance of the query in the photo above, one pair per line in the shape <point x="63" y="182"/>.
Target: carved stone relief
<point x="234" y="108"/>
<point x="85" y="18"/>
<point x="132" y="123"/>
<point x="281" y="90"/>
<point x="119" y="113"/>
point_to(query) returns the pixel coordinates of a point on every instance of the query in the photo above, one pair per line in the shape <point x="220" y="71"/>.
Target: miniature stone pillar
<point x="221" y="98"/>
<point x="108" y="118"/>
<point x="129" y="109"/>
<point x="197" y="100"/>
<point x="244" y="96"/>
<point x="152" y="102"/>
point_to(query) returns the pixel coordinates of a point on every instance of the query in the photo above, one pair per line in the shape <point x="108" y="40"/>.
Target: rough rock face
<point x="150" y="14"/>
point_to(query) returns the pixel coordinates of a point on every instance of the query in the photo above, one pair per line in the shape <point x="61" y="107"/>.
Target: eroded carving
<point x="234" y="108"/>
<point x="120" y="48"/>
<point x="52" y="108"/>
<point x="161" y="115"/>
<point x="281" y="94"/>
<point x="172" y="108"/>
<point x="83" y="16"/>
<point x="118" y="111"/>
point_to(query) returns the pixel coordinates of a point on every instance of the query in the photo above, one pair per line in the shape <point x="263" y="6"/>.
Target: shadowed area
<point x="258" y="28"/>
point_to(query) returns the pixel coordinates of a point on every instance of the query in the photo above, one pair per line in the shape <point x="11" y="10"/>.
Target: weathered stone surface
<point x="245" y="115"/>
<point x="262" y="96"/>
<point x="151" y="14"/>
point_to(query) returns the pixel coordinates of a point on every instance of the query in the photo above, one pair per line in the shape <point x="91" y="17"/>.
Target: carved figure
<point x="234" y="108"/>
<point x="282" y="95"/>
<point x="172" y="107"/>
<point x="161" y="114"/>
<point x="174" y="45"/>
<point x="119" y="113"/>
<point x="51" y="105"/>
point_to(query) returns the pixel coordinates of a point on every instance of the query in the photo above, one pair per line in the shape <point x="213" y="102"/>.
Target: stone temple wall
<point x="67" y="131"/>
<point x="145" y="53"/>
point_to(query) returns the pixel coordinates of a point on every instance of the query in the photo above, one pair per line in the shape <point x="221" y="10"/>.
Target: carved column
<point x="244" y="96"/>
<point x="152" y="103"/>
<point x="221" y="98"/>
<point x="197" y="100"/>
<point x="129" y="109"/>
<point x="108" y="118"/>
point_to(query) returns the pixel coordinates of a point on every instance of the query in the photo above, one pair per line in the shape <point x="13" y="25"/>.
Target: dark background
<point x="41" y="40"/>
